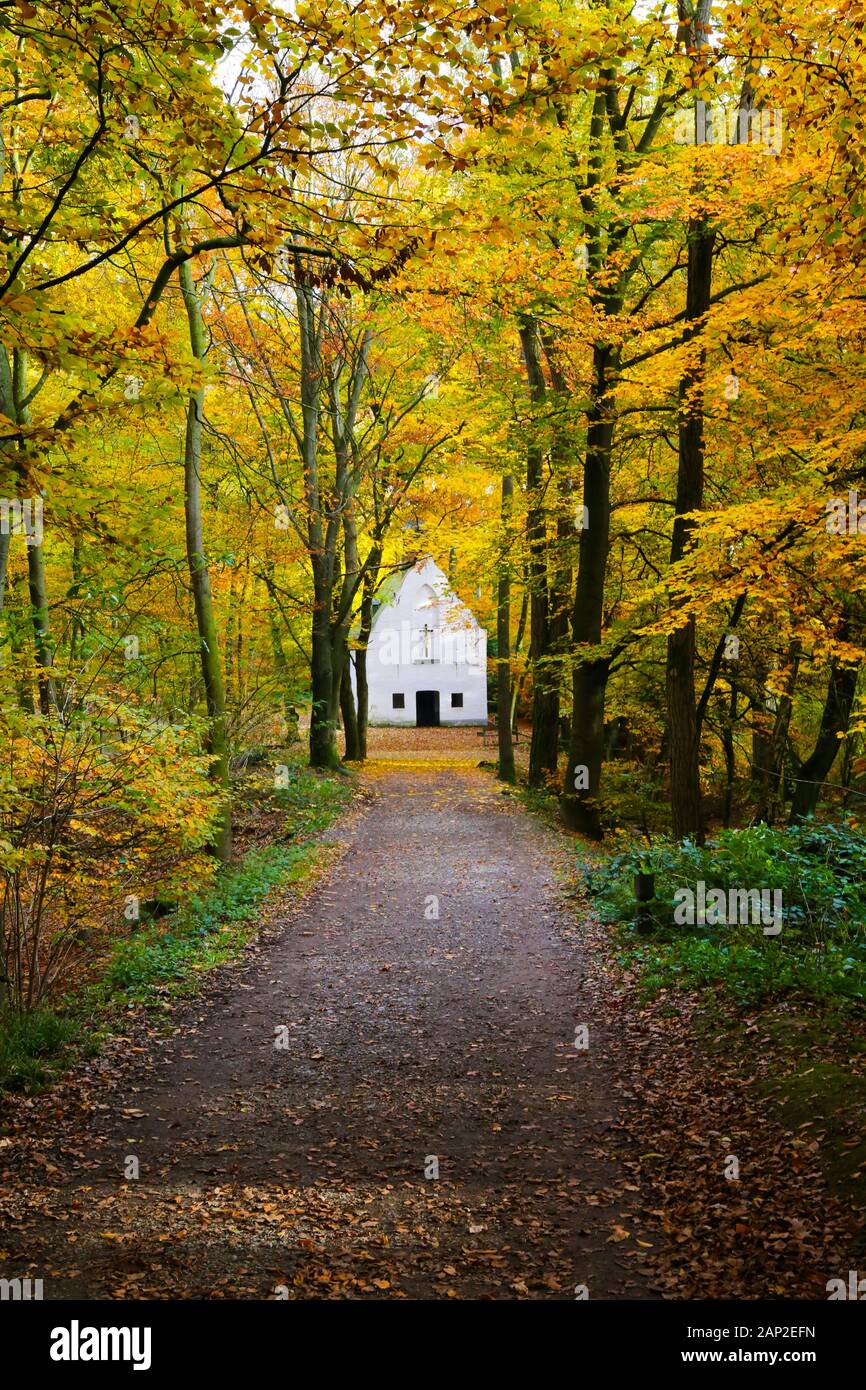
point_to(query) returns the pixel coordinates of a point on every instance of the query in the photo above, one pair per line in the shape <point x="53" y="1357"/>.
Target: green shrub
<point x="29" y="1044"/>
<point x="178" y="948"/>
<point x="311" y="801"/>
<point x="820" y="869"/>
<point x="169" y="956"/>
<point x="750" y="975"/>
<point x="819" y="954"/>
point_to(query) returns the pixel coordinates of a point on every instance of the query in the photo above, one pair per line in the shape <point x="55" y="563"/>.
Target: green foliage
<point x="168" y="958"/>
<point x="211" y="929"/>
<point x="749" y="974"/>
<point x="820" y="953"/>
<point x="206" y="932"/>
<point x="311" y="801"/>
<point x="89" y="805"/>
<point x="29" y="1046"/>
<point x="820" y="869"/>
<point x="634" y="795"/>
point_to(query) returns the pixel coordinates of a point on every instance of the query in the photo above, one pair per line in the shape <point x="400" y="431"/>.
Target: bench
<point x="491" y="730"/>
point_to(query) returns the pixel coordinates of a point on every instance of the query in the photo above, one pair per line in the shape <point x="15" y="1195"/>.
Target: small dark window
<point x="457" y="701"/>
<point x="398" y="701"/>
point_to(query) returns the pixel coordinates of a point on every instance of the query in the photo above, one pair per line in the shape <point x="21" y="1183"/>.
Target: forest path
<point x="409" y="1037"/>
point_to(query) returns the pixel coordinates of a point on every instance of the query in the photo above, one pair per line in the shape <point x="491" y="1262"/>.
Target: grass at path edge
<point x="171" y="958"/>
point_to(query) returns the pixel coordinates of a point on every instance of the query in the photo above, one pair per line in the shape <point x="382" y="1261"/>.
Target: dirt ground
<point x="466" y="743"/>
<point x="427" y="1000"/>
<point x="390" y="1096"/>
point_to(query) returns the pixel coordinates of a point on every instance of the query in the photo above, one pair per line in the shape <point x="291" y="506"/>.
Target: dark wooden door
<point x="427" y="709"/>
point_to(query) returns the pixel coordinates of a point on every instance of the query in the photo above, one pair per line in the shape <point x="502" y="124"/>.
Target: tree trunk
<point x="5" y="538"/>
<point x="544" y="747"/>
<point x="362" y="707"/>
<point x="281" y="665"/>
<point x="729" y="751"/>
<point x="323" y="743"/>
<point x="835" y="718"/>
<point x="503" y="640"/>
<point x="76" y="627"/>
<point x="768" y="750"/>
<point x="683" y="732"/>
<point x="14" y="401"/>
<point x="516" y="686"/>
<point x="349" y="714"/>
<point x="231" y="636"/>
<point x="683" y="738"/>
<point x="36" y="581"/>
<point x="365" y="626"/>
<point x="562" y="578"/>
<point x="38" y="590"/>
<point x="7" y="406"/>
<point x="200" y="577"/>
<point x="580" y="799"/>
<point x="332" y="614"/>
<point x="341" y="630"/>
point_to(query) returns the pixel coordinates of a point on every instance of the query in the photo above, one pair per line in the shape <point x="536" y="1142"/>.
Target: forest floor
<point x="385" y="1098"/>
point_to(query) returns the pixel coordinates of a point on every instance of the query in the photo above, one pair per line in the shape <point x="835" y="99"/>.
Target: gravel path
<point x="424" y="999"/>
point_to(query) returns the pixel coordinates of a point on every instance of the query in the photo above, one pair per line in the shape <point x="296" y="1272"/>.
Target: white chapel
<point x="427" y="655"/>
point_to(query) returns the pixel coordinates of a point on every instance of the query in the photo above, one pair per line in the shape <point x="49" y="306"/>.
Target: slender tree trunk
<point x="761" y="744"/>
<point x="516" y="686"/>
<point x="343" y="414"/>
<point x="38" y="590"/>
<point x="768" y="750"/>
<point x="76" y="628"/>
<point x="5" y="538"/>
<point x="231" y="631"/>
<point x="343" y="621"/>
<point x="683" y="739"/>
<point x="14" y="393"/>
<point x="729" y="752"/>
<point x="683" y="732"/>
<point x="562" y="578"/>
<point x="503" y="640"/>
<point x="17" y="622"/>
<point x="331" y="621"/>
<point x="835" y="718"/>
<point x="365" y="627"/>
<point x="544" y="747"/>
<point x="7" y="405"/>
<point x="37" y="585"/>
<point x="580" y="801"/>
<point x="209" y="656"/>
<point x="323" y="744"/>
<point x="339" y="661"/>
<point x="281" y="665"/>
<point x="349" y="714"/>
<point x="362" y="688"/>
<point x="242" y="673"/>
